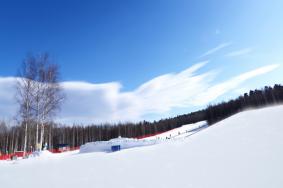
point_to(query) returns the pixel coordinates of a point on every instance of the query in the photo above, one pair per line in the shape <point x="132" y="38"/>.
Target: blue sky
<point x="122" y="45"/>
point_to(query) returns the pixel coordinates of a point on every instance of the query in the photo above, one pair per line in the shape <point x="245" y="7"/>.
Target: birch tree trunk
<point x="25" y="139"/>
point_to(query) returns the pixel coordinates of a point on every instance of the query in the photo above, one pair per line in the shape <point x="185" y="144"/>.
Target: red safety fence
<point x="16" y="154"/>
<point x="149" y="135"/>
<point x="21" y="153"/>
<point x="74" y="148"/>
<point x="5" y="157"/>
<point x="61" y="150"/>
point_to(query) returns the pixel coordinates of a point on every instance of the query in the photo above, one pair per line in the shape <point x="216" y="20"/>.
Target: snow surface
<point x="126" y="143"/>
<point x="244" y="151"/>
<point x="184" y="131"/>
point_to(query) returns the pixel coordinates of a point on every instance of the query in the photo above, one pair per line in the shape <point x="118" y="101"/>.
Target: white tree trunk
<point x="41" y="136"/>
<point x="25" y="140"/>
<point x="36" y="137"/>
<point x="37" y="123"/>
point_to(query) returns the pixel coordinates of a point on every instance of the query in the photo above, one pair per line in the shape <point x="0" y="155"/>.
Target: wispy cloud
<point x="217" y="48"/>
<point x="100" y="103"/>
<point x="220" y="89"/>
<point x="240" y="52"/>
<point x="96" y="103"/>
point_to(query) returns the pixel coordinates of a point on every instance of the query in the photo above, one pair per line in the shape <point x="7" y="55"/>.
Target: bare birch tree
<point x="39" y="94"/>
<point x="51" y="94"/>
<point x="25" y="88"/>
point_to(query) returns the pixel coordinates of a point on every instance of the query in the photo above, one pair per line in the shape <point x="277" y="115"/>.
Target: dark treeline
<point x="12" y="138"/>
<point x="253" y="99"/>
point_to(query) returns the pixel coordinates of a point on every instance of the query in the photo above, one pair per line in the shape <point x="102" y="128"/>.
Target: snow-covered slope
<point x="126" y="143"/>
<point x="181" y="132"/>
<point x="244" y="151"/>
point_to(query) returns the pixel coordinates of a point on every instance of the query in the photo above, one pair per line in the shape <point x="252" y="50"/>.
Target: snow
<point x="126" y="143"/>
<point x="244" y="151"/>
<point x="184" y="131"/>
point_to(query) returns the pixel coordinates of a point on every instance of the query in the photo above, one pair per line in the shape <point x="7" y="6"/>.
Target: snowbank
<point x="124" y="143"/>
<point x="181" y="132"/>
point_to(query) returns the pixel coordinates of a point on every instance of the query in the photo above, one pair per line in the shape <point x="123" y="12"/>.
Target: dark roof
<point x="61" y="145"/>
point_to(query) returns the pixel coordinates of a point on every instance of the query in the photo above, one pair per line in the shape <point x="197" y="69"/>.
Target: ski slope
<point x="126" y="143"/>
<point x="243" y="151"/>
<point x="184" y="131"/>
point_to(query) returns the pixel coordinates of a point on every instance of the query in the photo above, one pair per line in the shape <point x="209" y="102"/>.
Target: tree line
<point x="12" y="138"/>
<point x="40" y="95"/>
<point x="254" y="99"/>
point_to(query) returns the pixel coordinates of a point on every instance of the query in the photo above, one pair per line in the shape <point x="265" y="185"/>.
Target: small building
<point x="19" y="153"/>
<point x="115" y="148"/>
<point x="59" y="148"/>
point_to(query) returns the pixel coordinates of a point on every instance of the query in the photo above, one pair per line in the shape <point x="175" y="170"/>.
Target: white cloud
<point x="8" y="107"/>
<point x="95" y="103"/>
<point x="217" y="48"/>
<point x="220" y="89"/>
<point x="106" y="102"/>
<point x="240" y="52"/>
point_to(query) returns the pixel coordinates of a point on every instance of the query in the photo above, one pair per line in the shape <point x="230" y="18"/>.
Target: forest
<point x="12" y="138"/>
